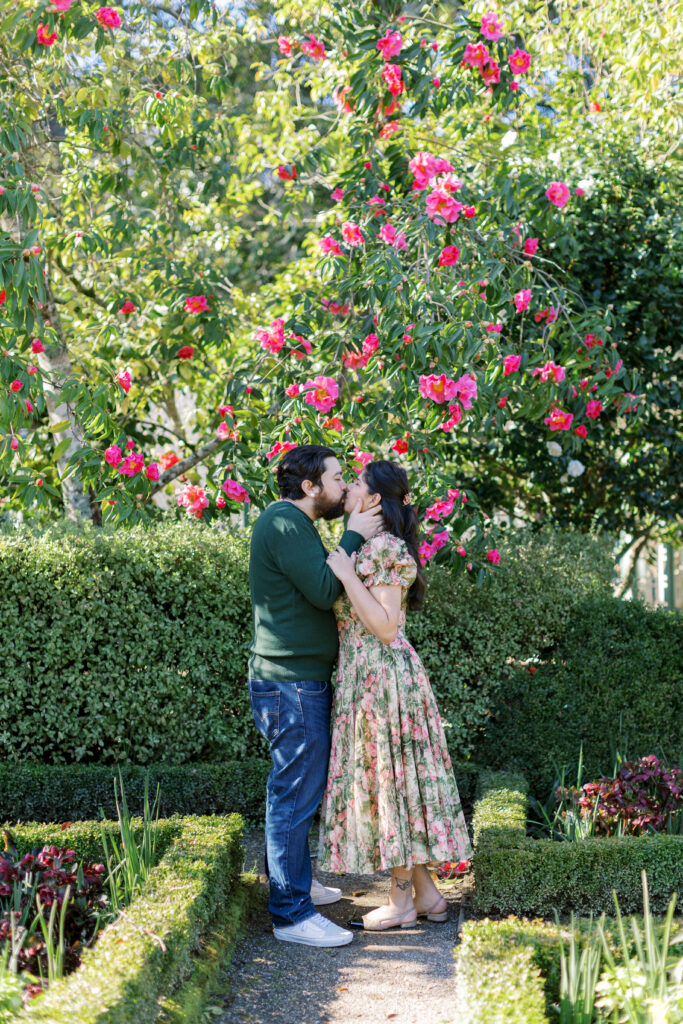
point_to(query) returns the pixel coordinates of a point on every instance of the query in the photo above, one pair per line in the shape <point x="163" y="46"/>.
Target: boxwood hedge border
<point x="515" y="874"/>
<point x="144" y="956"/>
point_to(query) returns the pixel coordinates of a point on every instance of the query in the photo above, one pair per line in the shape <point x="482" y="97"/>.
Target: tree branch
<point x="84" y="289"/>
<point x="181" y="467"/>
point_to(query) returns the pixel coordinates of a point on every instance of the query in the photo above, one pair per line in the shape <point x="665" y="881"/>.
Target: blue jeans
<point x="295" y="719"/>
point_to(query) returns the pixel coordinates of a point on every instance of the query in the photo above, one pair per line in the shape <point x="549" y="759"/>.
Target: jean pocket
<point x="265" y="707"/>
<point x="313" y="689"/>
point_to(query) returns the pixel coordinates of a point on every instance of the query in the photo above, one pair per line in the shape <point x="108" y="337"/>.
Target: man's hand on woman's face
<point x="367" y="523"/>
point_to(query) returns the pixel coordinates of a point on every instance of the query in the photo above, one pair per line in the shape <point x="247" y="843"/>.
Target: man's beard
<point x="326" y="509"/>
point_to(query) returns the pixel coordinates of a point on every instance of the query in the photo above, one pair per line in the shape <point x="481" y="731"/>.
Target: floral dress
<point x="391" y="798"/>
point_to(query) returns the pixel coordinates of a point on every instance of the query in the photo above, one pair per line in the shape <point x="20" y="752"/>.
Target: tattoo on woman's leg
<point x="403" y="885"/>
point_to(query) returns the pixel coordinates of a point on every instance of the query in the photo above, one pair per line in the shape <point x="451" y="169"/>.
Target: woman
<point x="391" y="800"/>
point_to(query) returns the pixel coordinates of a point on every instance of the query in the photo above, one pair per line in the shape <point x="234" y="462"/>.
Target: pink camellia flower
<point x="234" y="491"/>
<point x="333" y="423"/>
<point x="322" y="392"/>
<point x="220" y="501"/>
<point x="354" y="360"/>
<point x="449" y="256"/>
<point x="196" y="304"/>
<point x="493" y="328"/>
<point x="469" y="212"/>
<point x="493" y="556"/>
<point x="519" y="61"/>
<point x="439" y="540"/>
<point x="124" y="380"/>
<point x="186" y="352"/>
<point x="37" y="346"/>
<point x="29" y="405"/>
<point x="132" y="464"/>
<point x="475" y="55"/>
<point x="285" y="45"/>
<point x="351" y="234"/>
<point x="491" y="28"/>
<point x="337" y="194"/>
<point x="152" y="471"/>
<point x="362" y="458"/>
<point x="339" y="95"/>
<point x="439" y="388"/>
<point x="370" y="344"/>
<point x="502" y="402"/>
<point x="559" y="420"/>
<point x="579" y="192"/>
<point x="14" y="444"/>
<point x="113" y="455"/>
<point x="108" y="17"/>
<point x="279" y="448"/>
<point x="454" y="417"/>
<point x="194" y="499"/>
<point x="292" y="390"/>
<point x="522" y="299"/>
<point x="422" y="166"/>
<point x="491" y="73"/>
<point x="442" y="205"/>
<point x="400" y="241"/>
<point x="530" y="246"/>
<point x="313" y="47"/>
<point x="16" y="385"/>
<point x="426" y="551"/>
<point x="226" y="410"/>
<point x="272" y="340"/>
<point x="558" y="194"/>
<point x="439" y="509"/>
<point x="580" y="431"/>
<point x="390" y="44"/>
<point x="226" y="432"/>
<point x="400" y="446"/>
<point x="391" y="76"/>
<point x="31" y="369"/>
<point x="44" y="36"/>
<point x="550" y="369"/>
<point x="510" y="364"/>
<point x="61" y="5"/>
<point x="594" y="408"/>
<point x="387" y="233"/>
<point x="127" y="308"/>
<point x="287" y="173"/>
<point x="329" y="245"/>
<point x="466" y="390"/>
<point x="130" y="444"/>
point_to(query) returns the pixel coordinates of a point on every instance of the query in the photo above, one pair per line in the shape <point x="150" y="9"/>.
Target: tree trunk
<point x="56" y="364"/>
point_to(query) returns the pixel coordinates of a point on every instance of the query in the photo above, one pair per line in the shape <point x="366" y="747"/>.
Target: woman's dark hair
<point x="391" y="483"/>
<point x="305" y="462"/>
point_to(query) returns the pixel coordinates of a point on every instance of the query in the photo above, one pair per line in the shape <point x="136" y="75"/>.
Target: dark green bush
<point x="133" y="649"/>
<point x="612" y="681"/>
<point x="518" y="875"/>
<point x="38" y="792"/>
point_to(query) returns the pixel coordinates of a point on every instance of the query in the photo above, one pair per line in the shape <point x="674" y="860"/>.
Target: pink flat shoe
<point x="382" y="924"/>
<point x="433" y="914"/>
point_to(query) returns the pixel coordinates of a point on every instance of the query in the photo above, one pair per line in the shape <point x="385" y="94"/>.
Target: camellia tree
<point x="424" y="315"/>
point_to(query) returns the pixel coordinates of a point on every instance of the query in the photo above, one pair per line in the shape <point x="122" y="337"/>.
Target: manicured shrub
<point x="611" y="680"/>
<point x="515" y="874"/>
<point x="146" y="954"/>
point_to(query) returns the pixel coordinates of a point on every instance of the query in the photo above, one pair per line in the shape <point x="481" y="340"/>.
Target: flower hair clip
<point x="407" y="499"/>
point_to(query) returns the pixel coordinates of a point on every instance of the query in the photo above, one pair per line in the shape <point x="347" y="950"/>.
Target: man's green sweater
<point x="292" y="593"/>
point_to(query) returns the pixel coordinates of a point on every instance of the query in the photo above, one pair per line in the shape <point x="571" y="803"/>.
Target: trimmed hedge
<point x="71" y="792"/>
<point x="132" y="648"/>
<point x="501" y="967"/>
<point x="148" y="951"/>
<point x="518" y="875"/>
<point x="85" y="837"/>
<point x="613" y="680"/>
<point x="39" y="792"/>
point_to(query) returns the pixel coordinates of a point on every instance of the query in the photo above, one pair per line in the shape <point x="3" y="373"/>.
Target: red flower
<point x="186" y="352"/>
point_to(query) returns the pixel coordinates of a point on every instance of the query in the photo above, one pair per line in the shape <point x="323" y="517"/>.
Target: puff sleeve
<point x="385" y="561"/>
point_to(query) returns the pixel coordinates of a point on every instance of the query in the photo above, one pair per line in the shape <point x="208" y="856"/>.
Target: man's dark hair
<point x="305" y="462"/>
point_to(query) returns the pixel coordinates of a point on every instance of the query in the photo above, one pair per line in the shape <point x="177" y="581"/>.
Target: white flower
<point x="554" y="448"/>
<point x="575" y="468"/>
<point x="509" y="425"/>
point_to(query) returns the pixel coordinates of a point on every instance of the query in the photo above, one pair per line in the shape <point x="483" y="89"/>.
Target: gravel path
<point x="403" y="975"/>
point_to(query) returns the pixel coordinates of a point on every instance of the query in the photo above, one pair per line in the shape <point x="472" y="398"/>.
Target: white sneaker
<point x="324" y="894"/>
<point x="314" y="931"/>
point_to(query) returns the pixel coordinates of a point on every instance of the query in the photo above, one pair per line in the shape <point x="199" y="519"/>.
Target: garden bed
<point x="193" y="894"/>
<point x="515" y="874"/>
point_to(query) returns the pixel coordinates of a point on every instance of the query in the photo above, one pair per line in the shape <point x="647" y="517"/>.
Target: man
<point x="294" y="648"/>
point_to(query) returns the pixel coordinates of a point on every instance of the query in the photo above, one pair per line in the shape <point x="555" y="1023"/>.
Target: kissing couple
<point x="389" y="798"/>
